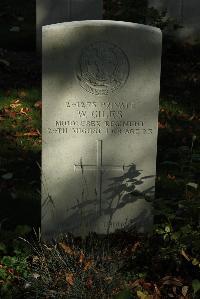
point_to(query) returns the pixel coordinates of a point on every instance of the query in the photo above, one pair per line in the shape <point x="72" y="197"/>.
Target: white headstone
<point x="186" y="13"/>
<point x="58" y="11"/>
<point x="101" y="83"/>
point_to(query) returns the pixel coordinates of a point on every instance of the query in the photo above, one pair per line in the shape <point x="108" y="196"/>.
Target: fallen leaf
<point x="184" y="116"/>
<point x="36" y="275"/>
<point x="82" y="257"/>
<point x="38" y="104"/>
<point x="10" y="270"/>
<point x="109" y="278"/>
<point x="195" y="262"/>
<point x="19" y="134"/>
<point x="12" y="114"/>
<point x="174" y="290"/>
<point x="88" y="265"/>
<point x="67" y="249"/>
<point x="170" y="280"/>
<point x="135" y="247"/>
<point x="9" y="113"/>
<point x="48" y="248"/>
<point x="185" y="290"/>
<point x="171" y="177"/>
<point x="193" y="185"/>
<point x="183" y="253"/>
<point x="15" y="104"/>
<point x="162" y="126"/>
<point x="24" y="110"/>
<point x="35" y="259"/>
<point x="27" y="285"/>
<point x="147" y="285"/>
<point x="89" y="283"/>
<point x="162" y="110"/>
<point x="192" y="117"/>
<point x="6" y="111"/>
<point x="70" y="278"/>
<point x="157" y="290"/>
<point x="28" y="134"/>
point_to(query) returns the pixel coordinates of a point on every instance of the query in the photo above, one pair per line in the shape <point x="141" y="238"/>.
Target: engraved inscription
<point x="100" y="118"/>
<point x="103" y="68"/>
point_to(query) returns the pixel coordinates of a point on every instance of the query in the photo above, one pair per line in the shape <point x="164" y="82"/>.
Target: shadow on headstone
<point x="123" y="190"/>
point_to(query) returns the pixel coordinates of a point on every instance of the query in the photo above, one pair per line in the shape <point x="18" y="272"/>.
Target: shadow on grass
<point x="19" y="187"/>
<point x="20" y="153"/>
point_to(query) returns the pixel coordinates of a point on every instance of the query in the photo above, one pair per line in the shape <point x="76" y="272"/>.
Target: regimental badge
<point x="103" y="68"/>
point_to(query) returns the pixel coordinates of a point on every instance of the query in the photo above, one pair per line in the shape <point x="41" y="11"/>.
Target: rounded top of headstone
<point x="93" y="23"/>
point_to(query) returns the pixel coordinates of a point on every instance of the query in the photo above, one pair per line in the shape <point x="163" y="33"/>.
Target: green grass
<point x="20" y="157"/>
<point x="174" y="107"/>
<point x="22" y="118"/>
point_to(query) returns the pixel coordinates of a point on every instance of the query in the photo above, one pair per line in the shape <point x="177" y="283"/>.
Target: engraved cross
<point x="100" y="168"/>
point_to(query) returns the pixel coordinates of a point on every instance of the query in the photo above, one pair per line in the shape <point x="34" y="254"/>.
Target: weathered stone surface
<point x="101" y="83"/>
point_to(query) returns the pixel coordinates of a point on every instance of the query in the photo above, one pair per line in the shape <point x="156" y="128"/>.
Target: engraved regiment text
<point x="90" y="118"/>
